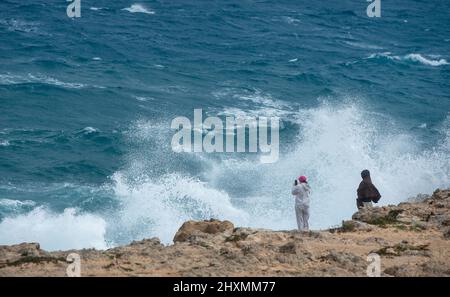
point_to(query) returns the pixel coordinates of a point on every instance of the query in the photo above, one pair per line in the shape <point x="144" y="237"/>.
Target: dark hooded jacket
<point x="367" y="192"/>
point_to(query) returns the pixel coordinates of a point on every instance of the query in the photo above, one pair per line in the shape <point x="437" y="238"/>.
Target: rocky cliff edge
<point x="412" y="239"/>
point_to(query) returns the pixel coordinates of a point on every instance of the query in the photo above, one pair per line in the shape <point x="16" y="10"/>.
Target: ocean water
<point x="86" y="106"/>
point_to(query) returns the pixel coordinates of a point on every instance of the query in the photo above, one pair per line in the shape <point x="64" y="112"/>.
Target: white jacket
<point x="301" y="193"/>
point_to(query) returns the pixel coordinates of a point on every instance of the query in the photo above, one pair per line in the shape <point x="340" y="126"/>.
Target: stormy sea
<point x="86" y="105"/>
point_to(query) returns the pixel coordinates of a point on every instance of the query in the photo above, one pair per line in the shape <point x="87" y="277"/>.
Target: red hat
<point x="302" y="179"/>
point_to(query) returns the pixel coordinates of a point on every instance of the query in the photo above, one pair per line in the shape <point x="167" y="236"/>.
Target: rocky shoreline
<point x="412" y="239"/>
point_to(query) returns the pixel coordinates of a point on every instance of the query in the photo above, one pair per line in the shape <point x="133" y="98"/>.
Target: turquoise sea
<point x="86" y="106"/>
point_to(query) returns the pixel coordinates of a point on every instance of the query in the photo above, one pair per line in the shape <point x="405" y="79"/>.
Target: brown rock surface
<point x="193" y="228"/>
<point x="411" y="238"/>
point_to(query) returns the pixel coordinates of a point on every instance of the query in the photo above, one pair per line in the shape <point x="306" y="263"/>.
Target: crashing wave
<point x="138" y="8"/>
<point x="53" y="231"/>
<point x="334" y="143"/>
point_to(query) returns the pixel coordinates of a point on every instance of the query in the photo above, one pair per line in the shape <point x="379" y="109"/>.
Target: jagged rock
<point x="432" y="211"/>
<point x="212" y="226"/>
<point x="216" y="248"/>
<point x="14" y="252"/>
<point x="441" y="194"/>
<point x="239" y="234"/>
<point x="419" y="198"/>
<point x="440" y="220"/>
<point x="378" y="215"/>
<point x="25" y="253"/>
<point x="152" y="241"/>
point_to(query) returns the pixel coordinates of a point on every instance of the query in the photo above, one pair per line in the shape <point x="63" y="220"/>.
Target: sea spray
<point x="333" y="144"/>
<point x="234" y="135"/>
<point x="67" y="230"/>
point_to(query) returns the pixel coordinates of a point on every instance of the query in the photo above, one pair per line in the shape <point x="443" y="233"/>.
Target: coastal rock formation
<point x="412" y="239"/>
<point x="432" y="212"/>
<point x="193" y="228"/>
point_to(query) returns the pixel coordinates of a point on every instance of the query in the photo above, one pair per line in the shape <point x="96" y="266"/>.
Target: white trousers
<point x="302" y="214"/>
<point x="367" y="204"/>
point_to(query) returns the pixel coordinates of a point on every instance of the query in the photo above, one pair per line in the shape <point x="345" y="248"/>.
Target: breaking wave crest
<point x="139" y="8"/>
<point x="67" y="230"/>
<point x="159" y="190"/>
<point x="333" y="143"/>
<point x="418" y="58"/>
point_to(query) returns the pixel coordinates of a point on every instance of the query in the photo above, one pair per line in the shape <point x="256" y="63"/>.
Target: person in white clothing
<point x="301" y="192"/>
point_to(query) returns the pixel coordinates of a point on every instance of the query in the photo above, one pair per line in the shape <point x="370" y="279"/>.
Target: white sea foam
<point x="138" y="8"/>
<point x="254" y="104"/>
<point x="143" y="99"/>
<point x="4" y="143"/>
<point x="421" y="59"/>
<point x="53" y="81"/>
<point x="363" y="45"/>
<point x="290" y="20"/>
<point x="9" y="79"/>
<point x="10" y="203"/>
<point x="262" y="99"/>
<point x="411" y="57"/>
<point x="13" y="79"/>
<point x="158" y="207"/>
<point x="89" y="130"/>
<point x="445" y="130"/>
<point x="53" y="231"/>
<point x="387" y="55"/>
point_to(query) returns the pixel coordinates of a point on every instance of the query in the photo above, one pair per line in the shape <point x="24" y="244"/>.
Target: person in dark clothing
<point x="367" y="192"/>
